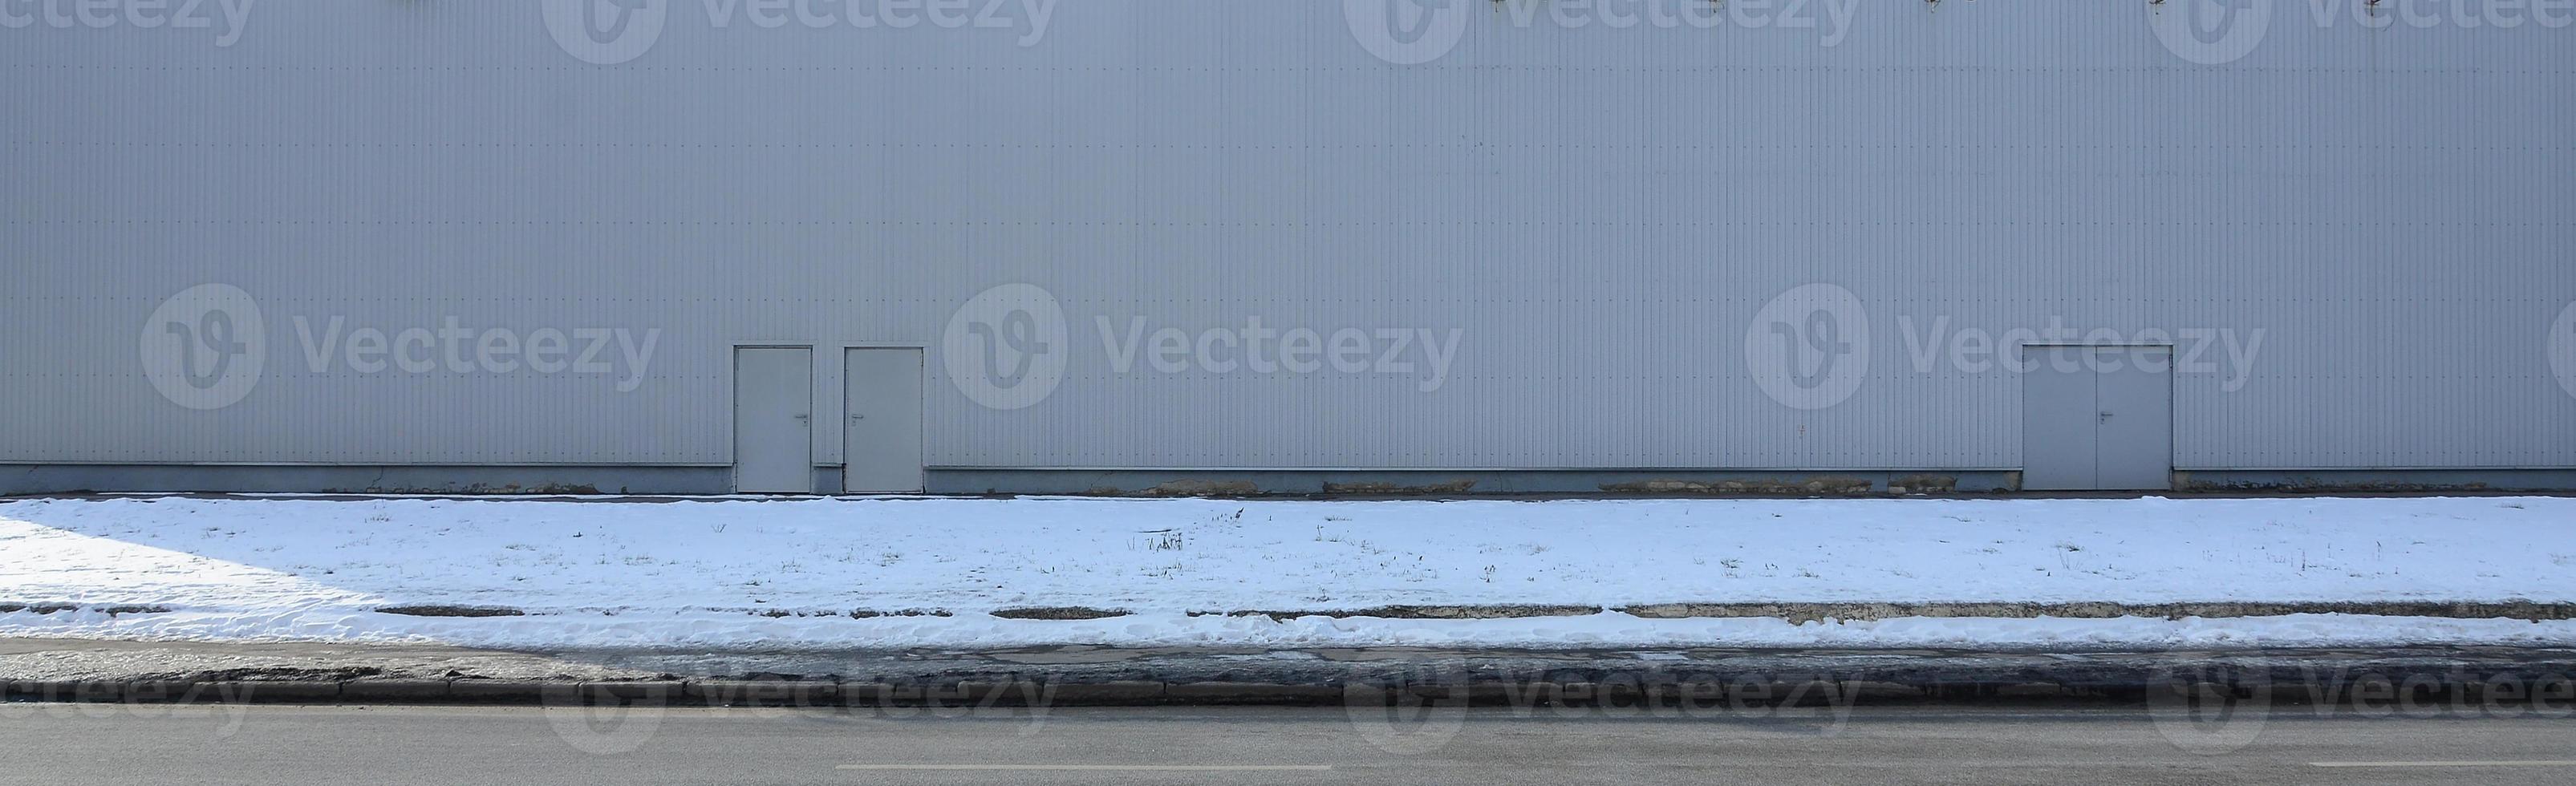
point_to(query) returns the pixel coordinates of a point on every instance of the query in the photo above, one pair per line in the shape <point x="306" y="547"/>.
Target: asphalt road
<point x="65" y="745"/>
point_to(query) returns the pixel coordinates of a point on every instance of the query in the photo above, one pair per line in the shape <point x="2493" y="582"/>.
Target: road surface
<point x="64" y="745"/>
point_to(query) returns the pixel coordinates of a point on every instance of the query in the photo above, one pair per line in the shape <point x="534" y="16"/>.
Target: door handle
<point x="2106" y="417"/>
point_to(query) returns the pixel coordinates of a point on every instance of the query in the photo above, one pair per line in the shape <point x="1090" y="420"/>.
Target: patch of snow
<point x="701" y="573"/>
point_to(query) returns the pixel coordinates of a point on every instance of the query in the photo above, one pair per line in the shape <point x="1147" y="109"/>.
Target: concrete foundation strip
<point x="2544" y="679"/>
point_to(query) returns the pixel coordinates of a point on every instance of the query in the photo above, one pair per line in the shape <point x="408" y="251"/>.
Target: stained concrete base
<point x="141" y="672"/>
<point x="60" y="479"/>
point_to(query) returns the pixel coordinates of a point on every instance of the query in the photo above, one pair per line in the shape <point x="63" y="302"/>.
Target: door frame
<point x="921" y="420"/>
<point x="733" y="408"/>
<point x="2173" y="425"/>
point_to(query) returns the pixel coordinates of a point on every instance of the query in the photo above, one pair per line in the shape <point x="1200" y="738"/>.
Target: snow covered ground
<point x="712" y="574"/>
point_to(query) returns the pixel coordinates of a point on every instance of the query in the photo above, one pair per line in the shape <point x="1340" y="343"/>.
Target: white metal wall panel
<point x="1601" y="212"/>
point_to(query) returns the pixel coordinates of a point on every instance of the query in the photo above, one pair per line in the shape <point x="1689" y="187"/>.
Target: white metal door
<point x="773" y="420"/>
<point x="2058" y="436"/>
<point x="2097" y="419"/>
<point x="2135" y="431"/>
<point x="881" y="441"/>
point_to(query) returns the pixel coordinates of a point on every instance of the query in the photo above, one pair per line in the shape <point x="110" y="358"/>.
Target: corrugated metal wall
<point x="1600" y="213"/>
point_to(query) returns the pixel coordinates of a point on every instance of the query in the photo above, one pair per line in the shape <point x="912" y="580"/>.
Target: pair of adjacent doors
<point x="2097" y="418"/>
<point x="773" y="420"/>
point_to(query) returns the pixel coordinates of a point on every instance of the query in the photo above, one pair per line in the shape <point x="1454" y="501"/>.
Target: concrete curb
<point x="392" y="691"/>
<point x="1484" y="679"/>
